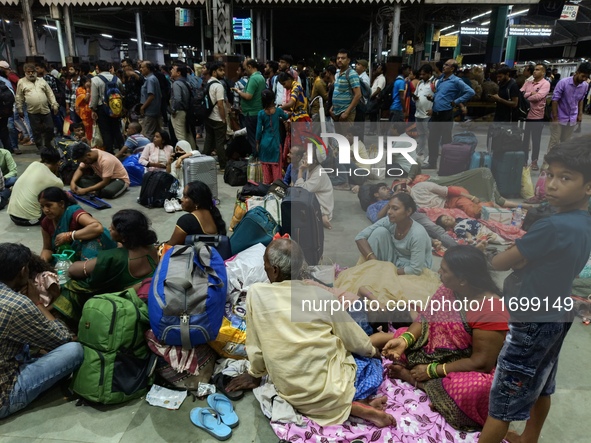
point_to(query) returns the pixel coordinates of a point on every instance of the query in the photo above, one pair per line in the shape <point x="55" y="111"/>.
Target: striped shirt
<point x="343" y="90"/>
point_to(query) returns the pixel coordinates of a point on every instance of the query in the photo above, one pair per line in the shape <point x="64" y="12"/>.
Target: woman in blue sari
<point x="67" y="226"/>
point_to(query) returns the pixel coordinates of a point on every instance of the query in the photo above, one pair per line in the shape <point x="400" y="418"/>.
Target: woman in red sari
<point x="451" y="353"/>
<point x="83" y="105"/>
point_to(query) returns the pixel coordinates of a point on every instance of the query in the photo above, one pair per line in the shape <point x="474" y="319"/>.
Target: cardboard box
<point x="497" y="214"/>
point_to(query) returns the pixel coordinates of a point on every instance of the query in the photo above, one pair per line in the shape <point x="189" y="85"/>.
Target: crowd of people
<point x="481" y="369"/>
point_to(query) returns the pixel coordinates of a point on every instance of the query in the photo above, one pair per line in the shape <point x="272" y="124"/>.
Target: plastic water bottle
<point x="517" y="217"/>
<point x="62" y="265"/>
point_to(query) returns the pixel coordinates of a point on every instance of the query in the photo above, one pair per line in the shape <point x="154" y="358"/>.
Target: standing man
<point x="535" y="93"/>
<point x="347" y="91"/>
<point x="318" y="90"/>
<point x="507" y="98"/>
<point x="132" y="84"/>
<point x="6" y="111"/>
<point x="271" y="68"/>
<point x="151" y="97"/>
<point x="423" y="107"/>
<point x="110" y="127"/>
<point x="38" y="96"/>
<point x="59" y="91"/>
<point x="240" y="85"/>
<point x="251" y="101"/>
<point x="71" y="86"/>
<point x="215" y="125"/>
<point x="397" y="111"/>
<point x="180" y="102"/>
<point x="450" y="91"/>
<point x="567" y="105"/>
<point x="361" y="68"/>
<point x="282" y="96"/>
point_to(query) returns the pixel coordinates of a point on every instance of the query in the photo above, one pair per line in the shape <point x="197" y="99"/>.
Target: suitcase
<point x="465" y="138"/>
<point x="257" y="226"/>
<point x="481" y="160"/>
<point x="505" y="138"/>
<point x="455" y="158"/>
<point x="302" y="219"/>
<point x="507" y="170"/>
<point x="201" y="168"/>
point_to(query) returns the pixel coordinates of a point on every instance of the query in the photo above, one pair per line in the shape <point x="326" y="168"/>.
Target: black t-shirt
<point x="504" y="113"/>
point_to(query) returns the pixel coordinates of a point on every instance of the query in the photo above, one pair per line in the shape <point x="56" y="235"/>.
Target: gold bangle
<point x="444" y="371"/>
<point x="368" y="255"/>
<point x="84" y="269"/>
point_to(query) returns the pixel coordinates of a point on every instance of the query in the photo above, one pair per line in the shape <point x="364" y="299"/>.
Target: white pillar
<point x="396" y="30"/>
<point x="60" y="41"/>
<point x="70" y="38"/>
<point x="28" y="29"/>
<point x="140" y="39"/>
<point x="252" y="34"/>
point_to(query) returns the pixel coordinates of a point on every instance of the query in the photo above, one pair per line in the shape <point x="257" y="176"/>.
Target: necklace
<point x="400" y="235"/>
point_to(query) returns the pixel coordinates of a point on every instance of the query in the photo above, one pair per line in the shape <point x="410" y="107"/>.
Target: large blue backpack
<point x="187" y="296"/>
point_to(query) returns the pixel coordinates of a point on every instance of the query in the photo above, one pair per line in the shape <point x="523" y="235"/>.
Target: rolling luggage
<point x="455" y="158"/>
<point x="201" y="168"/>
<point x="257" y="226"/>
<point x="507" y="170"/>
<point x="481" y="160"/>
<point x="505" y="138"/>
<point x="302" y="220"/>
<point x="466" y="138"/>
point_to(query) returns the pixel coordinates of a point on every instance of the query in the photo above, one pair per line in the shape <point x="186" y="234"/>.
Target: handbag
<point x="527" y="187"/>
<point x="254" y="170"/>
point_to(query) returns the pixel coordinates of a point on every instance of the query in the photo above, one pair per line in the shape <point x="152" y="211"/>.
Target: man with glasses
<point x="450" y="91"/>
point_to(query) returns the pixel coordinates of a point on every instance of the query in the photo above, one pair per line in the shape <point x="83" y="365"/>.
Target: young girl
<point x="156" y="155"/>
<point x="468" y="229"/>
<point x="82" y="107"/>
<point x="268" y="139"/>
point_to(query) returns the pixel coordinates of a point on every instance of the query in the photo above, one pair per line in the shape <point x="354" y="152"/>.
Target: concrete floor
<point x="53" y="419"/>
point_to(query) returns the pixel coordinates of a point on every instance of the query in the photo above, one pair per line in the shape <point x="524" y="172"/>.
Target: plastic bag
<point x="527" y="187"/>
<point x="134" y="169"/>
<point x="245" y="269"/>
<point x="540" y="189"/>
<point x="254" y="170"/>
<point x="97" y="138"/>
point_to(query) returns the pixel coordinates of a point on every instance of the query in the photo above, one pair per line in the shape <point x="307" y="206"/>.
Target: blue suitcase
<point x="507" y="170"/>
<point x="481" y="160"/>
<point x="257" y="226"/>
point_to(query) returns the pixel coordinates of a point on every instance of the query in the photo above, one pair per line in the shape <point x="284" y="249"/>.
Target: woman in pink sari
<point x="451" y="349"/>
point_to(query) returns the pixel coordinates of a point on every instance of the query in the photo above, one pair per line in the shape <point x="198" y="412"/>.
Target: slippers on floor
<point x="221" y="381"/>
<point x="225" y="408"/>
<point x="211" y="422"/>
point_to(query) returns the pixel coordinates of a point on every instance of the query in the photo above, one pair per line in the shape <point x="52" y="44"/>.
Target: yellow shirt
<point x="37" y="95"/>
<point x="306" y="354"/>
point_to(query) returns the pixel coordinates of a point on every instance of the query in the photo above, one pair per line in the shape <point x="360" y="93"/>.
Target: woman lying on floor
<point x="451" y="354"/>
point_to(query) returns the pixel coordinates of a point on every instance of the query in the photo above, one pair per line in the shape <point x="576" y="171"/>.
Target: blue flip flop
<point x="210" y="421"/>
<point x="224" y="407"/>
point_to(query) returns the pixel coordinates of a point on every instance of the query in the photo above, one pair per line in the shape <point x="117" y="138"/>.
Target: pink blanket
<point x="416" y="422"/>
<point x="506" y="231"/>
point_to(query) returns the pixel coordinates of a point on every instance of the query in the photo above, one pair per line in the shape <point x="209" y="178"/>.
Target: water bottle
<point x="62" y="265"/>
<point x="517" y="217"/>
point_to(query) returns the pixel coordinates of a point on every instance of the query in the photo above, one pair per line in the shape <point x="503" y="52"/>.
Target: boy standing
<point x="549" y="257"/>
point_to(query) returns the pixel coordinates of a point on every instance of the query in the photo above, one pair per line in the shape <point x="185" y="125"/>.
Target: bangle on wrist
<point x="369" y="255"/>
<point x="444" y="371"/>
<point x="73" y="238"/>
<point x="409" y="338"/>
<point x="84" y="269"/>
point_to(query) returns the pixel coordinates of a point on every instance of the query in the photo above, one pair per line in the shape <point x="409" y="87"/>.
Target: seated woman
<point x="203" y="216"/>
<point x="112" y="270"/>
<point x="468" y="229"/>
<point x="156" y="155"/>
<point x="431" y="195"/>
<point x="451" y="354"/>
<point x="68" y="226"/>
<point x="397" y="238"/>
<point x="182" y="151"/>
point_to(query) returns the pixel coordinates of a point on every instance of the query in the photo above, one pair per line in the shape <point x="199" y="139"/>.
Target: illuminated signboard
<point x="241" y="28"/>
<point x="569" y="12"/>
<point x="183" y="17"/>
<point x="448" y="41"/>
<point x="473" y="30"/>
<point x="530" y="30"/>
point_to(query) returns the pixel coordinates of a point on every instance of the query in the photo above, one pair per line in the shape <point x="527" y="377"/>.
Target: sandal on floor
<point x="225" y="409"/>
<point x="221" y="381"/>
<point x="211" y="422"/>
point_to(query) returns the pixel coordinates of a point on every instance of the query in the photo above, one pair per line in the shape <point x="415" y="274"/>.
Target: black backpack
<point x="385" y="96"/>
<point x="6" y="100"/>
<point x="200" y="104"/>
<point x="157" y="186"/>
<point x="523" y="107"/>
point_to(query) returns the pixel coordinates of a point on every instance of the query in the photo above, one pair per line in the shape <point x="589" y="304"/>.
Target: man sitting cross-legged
<point x="109" y="178"/>
<point x="307" y="354"/>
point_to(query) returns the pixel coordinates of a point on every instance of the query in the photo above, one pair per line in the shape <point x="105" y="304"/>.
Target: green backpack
<point x="117" y="361"/>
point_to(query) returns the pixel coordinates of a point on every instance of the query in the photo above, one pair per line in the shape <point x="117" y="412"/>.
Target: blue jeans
<point x="9" y="182"/>
<point x="38" y="375"/>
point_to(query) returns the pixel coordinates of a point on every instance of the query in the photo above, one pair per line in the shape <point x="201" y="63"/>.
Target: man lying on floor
<point x="308" y="354"/>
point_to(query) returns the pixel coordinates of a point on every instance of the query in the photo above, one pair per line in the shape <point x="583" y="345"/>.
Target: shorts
<point x="526" y="368"/>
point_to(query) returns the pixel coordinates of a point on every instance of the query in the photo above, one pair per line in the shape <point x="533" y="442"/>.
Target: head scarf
<point x="184" y="145"/>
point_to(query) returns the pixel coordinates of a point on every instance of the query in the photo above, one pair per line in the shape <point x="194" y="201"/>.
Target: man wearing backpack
<point x="215" y="124"/>
<point x="180" y="102"/>
<point x="361" y="68"/>
<point x="109" y="124"/>
<point x="59" y="91"/>
<point x="508" y="97"/>
<point x="347" y="92"/>
<point x="39" y="98"/>
<point x="150" y="99"/>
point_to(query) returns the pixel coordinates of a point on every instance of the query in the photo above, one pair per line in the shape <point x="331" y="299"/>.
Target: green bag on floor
<point x="117" y="362"/>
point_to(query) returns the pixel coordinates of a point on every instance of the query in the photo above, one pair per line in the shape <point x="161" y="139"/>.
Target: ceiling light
<point x="147" y="43"/>
<point x="107" y="35"/>
<point x="485" y="23"/>
<point x="50" y="27"/>
<point x="133" y="39"/>
<point x="517" y="13"/>
<point x="161" y="45"/>
<point x="448" y="27"/>
<point x="451" y="33"/>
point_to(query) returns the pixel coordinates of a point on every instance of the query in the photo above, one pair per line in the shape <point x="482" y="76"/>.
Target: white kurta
<point x="307" y="355"/>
